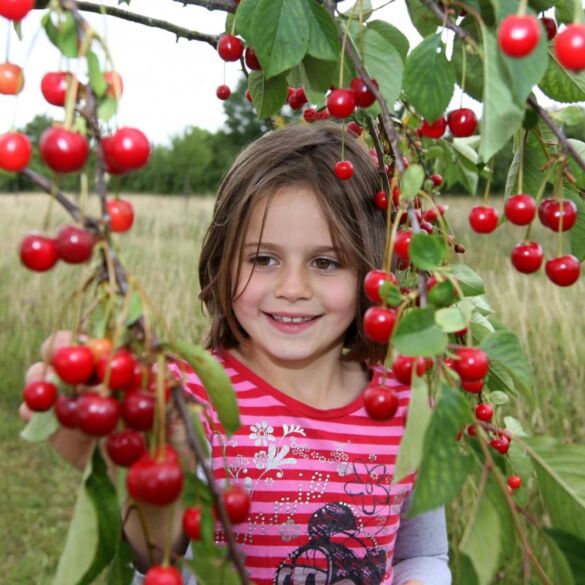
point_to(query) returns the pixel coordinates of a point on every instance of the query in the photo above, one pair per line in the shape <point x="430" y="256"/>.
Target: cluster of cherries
<point x="121" y="411"/>
<point x="519" y="34"/>
<point x="231" y="48"/>
<point x="527" y="256"/>
<point x="461" y="123"/>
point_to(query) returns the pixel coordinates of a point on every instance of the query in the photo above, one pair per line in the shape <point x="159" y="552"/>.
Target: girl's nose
<point x="293" y="283"/>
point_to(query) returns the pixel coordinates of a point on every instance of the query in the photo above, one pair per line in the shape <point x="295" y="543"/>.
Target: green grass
<point x="38" y="490"/>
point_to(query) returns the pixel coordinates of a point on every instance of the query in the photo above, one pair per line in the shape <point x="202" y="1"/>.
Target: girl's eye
<point x="326" y="264"/>
<point x="261" y="261"/>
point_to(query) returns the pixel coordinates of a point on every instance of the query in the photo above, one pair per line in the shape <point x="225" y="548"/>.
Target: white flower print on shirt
<point x="261" y="434"/>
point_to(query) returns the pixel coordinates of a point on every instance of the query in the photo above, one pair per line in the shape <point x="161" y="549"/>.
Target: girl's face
<point x="296" y="272"/>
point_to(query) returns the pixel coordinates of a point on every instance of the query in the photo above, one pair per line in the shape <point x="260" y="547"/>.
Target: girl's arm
<point x="421" y="553"/>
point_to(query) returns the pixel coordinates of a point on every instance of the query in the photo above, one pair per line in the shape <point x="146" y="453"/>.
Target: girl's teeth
<point x="292" y="319"/>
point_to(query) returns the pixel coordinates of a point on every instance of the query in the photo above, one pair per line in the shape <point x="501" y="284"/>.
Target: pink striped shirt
<point x="324" y="506"/>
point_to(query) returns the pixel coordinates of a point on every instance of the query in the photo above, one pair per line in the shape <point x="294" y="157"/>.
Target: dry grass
<point x="163" y="251"/>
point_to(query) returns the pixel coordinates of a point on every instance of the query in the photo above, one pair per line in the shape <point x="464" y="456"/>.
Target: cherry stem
<point x="8" y="35"/>
<point x="521" y="161"/>
<point x="381" y="164"/>
<point x="463" y="73"/>
<point x="522" y="7"/>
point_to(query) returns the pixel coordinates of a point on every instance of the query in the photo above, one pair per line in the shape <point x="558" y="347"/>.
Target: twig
<point x="193" y="440"/>
<point x="225" y="5"/>
<point x="180" y="32"/>
<point x="381" y="164"/>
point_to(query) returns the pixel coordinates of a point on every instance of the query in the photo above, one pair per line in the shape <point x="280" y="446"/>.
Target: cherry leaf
<point x="418" y="335"/>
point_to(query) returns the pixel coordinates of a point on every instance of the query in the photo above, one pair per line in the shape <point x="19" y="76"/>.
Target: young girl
<point x="281" y="274"/>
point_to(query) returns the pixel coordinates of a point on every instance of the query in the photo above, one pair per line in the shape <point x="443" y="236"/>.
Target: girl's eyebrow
<point x="277" y="247"/>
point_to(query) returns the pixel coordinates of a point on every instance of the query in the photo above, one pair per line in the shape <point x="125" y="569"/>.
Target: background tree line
<point x="195" y="161"/>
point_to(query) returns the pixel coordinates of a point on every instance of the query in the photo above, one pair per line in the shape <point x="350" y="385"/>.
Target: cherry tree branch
<point x="224" y="5"/>
<point x="180" y="32"/>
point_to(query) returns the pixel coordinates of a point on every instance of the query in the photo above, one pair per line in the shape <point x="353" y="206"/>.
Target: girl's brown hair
<point x="296" y="155"/>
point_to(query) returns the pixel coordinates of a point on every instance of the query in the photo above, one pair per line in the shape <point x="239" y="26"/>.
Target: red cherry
<point x="484" y="412"/>
<point x="427" y="227"/>
<point x="295" y="101"/>
<point x="518" y="35"/>
<point x="373" y="281"/>
<point x="563" y="271"/>
<point x="402" y="243"/>
<point x="355" y="129"/>
<point x="550" y="26"/>
<point x="434" y="129"/>
<point x="39" y="395"/>
<point x="38" y="252"/>
<point x="472" y="363"/>
<point x="380" y="402"/>
<point x="130" y="149"/>
<point x="432" y="214"/>
<point x="341" y="103"/>
<point x="462" y="122"/>
<point x="527" y="257"/>
<point x="11" y="79"/>
<point x="74" y="245"/>
<point x="380" y="200"/>
<point x="323" y="114"/>
<point x="310" y="115"/>
<point x="501" y="444"/>
<point x="192" y="522"/>
<point x="15" y="151"/>
<point x="514" y="482"/>
<point x="343" y="170"/>
<point x="223" y="92"/>
<point x="520" y="209"/>
<point x="248" y="95"/>
<point x="472" y="386"/>
<point x="121" y="366"/>
<point x="125" y="447"/>
<point x="121" y="214"/>
<point x="156" y="480"/>
<point x="570" y="47"/>
<point x="73" y="364"/>
<point x="115" y="84"/>
<point x="63" y="151"/>
<point x="66" y="411"/>
<point x="363" y="97"/>
<point x="379" y="323"/>
<point x="159" y="575"/>
<point x="237" y="503"/>
<point x="437" y="180"/>
<point x="111" y="165"/>
<point x="300" y="93"/>
<point x="230" y="48"/>
<point x="54" y="87"/>
<point x="403" y="365"/>
<point x="251" y="59"/>
<point x="142" y="377"/>
<point x="483" y="219"/>
<point x="551" y="210"/>
<point x="97" y="415"/>
<point x="16" y="9"/>
<point x="138" y="410"/>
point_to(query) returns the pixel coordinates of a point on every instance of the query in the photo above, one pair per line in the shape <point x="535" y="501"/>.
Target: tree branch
<point x="180" y="32"/>
<point x="224" y="5"/>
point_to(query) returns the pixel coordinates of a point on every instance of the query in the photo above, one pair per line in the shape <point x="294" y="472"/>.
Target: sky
<point x="169" y="85"/>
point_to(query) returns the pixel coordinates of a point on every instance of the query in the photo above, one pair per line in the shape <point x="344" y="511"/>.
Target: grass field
<point x="162" y="250"/>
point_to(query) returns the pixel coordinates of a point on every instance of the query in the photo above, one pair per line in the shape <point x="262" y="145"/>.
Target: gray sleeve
<point x="422" y="549"/>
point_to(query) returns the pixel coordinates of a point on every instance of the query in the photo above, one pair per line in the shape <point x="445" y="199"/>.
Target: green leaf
<point x="359" y="6"/>
<point x="451" y="319"/>
<point x="444" y="468"/>
<point x="216" y="382"/>
<point x="246" y="11"/>
<point x="561" y="481"/>
<point x="429" y="79"/>
<point x="482" y="540"/>
<point x="499" y="398"/>
<point x="107" y="108"/>
<point x="565" y="11"/>
<point x="573" y="549"/>
<point x="384" y="64"/>
<point x="40" y="427"/>
<point x="560" y="564"/>
<point x="96" y="78"/>
<point x="412" y="181"/>
<point x="390" y="293"/>
<point x="134" y="309"/>
<point x="502" y="115"/>
<point x="504" y="349"/>
<point x="541" y="5"/>
<point x="121" y="570"/>
<point x="410" y="453"/>
<point x="473" y="62"/>
<point x="417" y="334"/>
<point x="268" y="95"/>
<point x="569" y="116"/>
<point x="62" y="32"/>
<point x="317" y="77"/>
<point x="94" y="530"/>
<point x="427" y="252"/>
<point x="470" y="282"/>
<point x="211" y="566"/>
<point x="281" y="31"/>
<point x="17" y="25"/>
<point x="423" y="19"/>
<point x="577" y="232"/>
<point x="444" y="294"/>
<point x="575" y="169"/>
<point x="464" y="572"/>
<point x="562" y="85"/>
<point x="324" y="41"/>
<point x="392" y="36"/>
